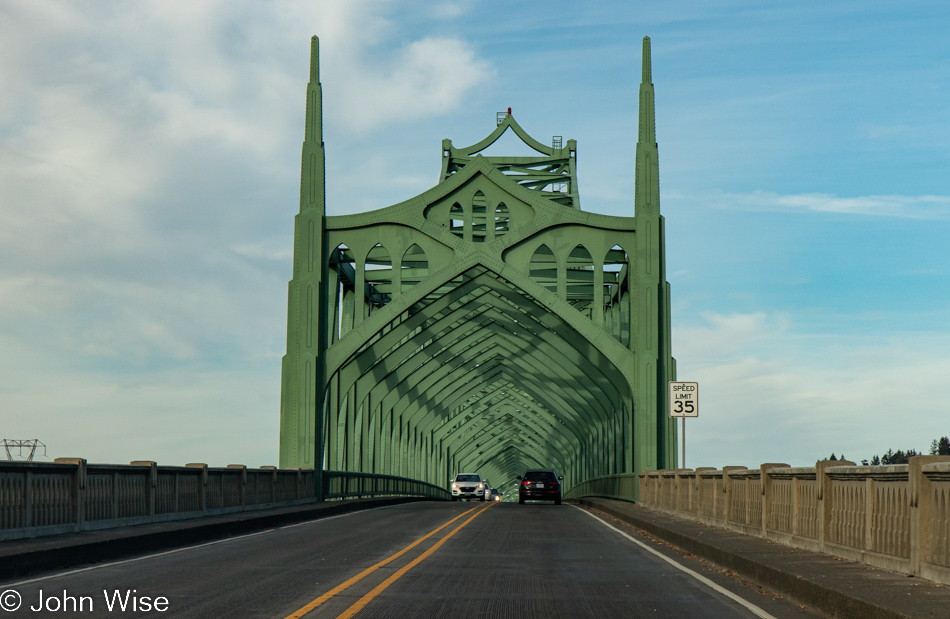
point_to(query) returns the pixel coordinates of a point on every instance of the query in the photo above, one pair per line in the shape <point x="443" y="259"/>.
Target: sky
<point x="149" y="176"/>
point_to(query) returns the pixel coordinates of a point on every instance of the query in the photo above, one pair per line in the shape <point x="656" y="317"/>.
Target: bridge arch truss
<point x="487" y="324"/>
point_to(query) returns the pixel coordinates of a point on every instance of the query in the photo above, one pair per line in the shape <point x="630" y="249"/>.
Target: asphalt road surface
<point x="425" y="559"/>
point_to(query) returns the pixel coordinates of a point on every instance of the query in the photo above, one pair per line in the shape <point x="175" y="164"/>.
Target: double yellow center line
<point x="366" y="599"/>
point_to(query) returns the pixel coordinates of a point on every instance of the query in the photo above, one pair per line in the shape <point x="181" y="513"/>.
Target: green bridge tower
<point x="487" y="324"/>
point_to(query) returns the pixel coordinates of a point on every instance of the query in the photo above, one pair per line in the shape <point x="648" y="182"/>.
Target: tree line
<point x="938" y="447"/>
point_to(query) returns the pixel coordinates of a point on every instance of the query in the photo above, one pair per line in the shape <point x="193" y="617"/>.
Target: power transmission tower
<point x="11" y="445"/>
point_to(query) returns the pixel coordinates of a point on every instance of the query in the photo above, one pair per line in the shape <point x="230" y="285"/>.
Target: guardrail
<point x="896" y="517"/>
<point x="346" y="485"/>
<point x="71" y="495"/>
<point x="622" y="487"/>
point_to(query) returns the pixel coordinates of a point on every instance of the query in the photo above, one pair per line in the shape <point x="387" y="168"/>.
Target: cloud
<point x="174" y="416"/>
<point x="905" y="207"/>
<point x="265" y="251"/>
<point x="424" y="78"/>
<point x="770" y="392"/>
<point x="452" y="10"/>
<point x="149" y="162"/>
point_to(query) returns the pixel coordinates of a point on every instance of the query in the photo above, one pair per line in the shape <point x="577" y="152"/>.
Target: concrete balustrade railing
<point x="71" y="495"/>
<point x="894" y="517"/>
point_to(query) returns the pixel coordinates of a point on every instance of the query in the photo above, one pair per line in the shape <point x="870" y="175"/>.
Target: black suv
<point x="540" y="484"/>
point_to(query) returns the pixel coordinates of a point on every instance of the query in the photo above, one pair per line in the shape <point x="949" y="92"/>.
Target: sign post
<point x="684" y="402"/>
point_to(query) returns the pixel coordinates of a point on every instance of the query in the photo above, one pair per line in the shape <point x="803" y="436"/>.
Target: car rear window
<point x="467" y="478"/>
<point x="540" y="476"/>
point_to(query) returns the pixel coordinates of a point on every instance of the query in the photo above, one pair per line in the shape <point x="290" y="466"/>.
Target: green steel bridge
<point x="487" y="324"/>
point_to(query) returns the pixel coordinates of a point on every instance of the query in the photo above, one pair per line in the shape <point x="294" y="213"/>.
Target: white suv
<point x="468" y="486"/>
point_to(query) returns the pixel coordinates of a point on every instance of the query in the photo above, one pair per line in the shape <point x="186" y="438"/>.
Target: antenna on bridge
<point x="11" y="445"/>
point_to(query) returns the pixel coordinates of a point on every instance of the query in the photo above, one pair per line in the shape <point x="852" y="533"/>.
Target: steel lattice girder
<point x="487" y="322"/>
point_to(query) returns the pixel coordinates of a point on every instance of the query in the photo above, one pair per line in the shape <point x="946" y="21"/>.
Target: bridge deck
<point x="503" y="560"/>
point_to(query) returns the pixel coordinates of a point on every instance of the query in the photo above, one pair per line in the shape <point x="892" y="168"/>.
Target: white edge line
<point x="758" y="612"/>
<point x="186" y="548"/>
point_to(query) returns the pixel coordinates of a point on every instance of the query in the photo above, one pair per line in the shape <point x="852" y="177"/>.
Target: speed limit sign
<point x="684" y="399"/>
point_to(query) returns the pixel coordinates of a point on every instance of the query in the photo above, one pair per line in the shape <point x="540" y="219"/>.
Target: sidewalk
<point x="19" y="558"/>
<point x="840" y="588"/>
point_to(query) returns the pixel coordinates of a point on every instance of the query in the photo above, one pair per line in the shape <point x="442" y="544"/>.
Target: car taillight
<point x="525" y="482"/>
<point x="554" y="483"/>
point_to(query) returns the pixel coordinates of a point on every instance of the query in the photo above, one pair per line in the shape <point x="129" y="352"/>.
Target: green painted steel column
<point x="653" y="431"/>
<point x="302" y="368"/>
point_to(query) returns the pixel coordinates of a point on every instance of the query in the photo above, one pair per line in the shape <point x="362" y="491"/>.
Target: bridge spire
<point x="647" y="200"/>
<point x="312" y="183"/>
<point x="652" y="303"/>
<point x="302" y="368"/>
<point x="647" y="134"/>
<point x="315" y="59"/>
<point x="647" y="71"/>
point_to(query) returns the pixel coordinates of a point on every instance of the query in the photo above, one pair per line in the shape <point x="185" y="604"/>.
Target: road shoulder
<point x="833" y="586"/>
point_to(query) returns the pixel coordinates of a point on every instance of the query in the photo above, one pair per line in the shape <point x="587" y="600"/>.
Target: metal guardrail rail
<point x="71" y="495"/>
<point x="346" y="485"/>
<point x="622" y="487"/>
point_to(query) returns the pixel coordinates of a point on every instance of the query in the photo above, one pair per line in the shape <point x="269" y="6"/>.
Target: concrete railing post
<point x="747" y="487"/>
<point x="151" y="485"/>
<point x="28" y="500"/>
<point x="668" y="483"/>
<point x="765" y="482"/>
<point x="115" y="495"/>
<point x="728" y="490"/>
<point x="681" y="487"/>
<point x="299" y="485"/>
<point x="869" y="491"/>
<point x="701" y="489"/>
<point x="795" y="505"/>
<point x="242" y="482"/>
<point x="202" y="485"/>
<point x="825" y="498"/>
<point x="273" y="482"/>
<point x="78" y="491"/>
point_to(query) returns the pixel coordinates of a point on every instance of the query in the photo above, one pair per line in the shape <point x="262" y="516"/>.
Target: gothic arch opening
<point x="415" y="266"/>
<point x="479" y="218"/>
<point x="616" y="294"/>
<point x="502" y="221"/>
<point x="378" y="278"/>
<point x="543" y="268"/>
<point x="580" y="280"/>
<point x="457" y="220"/>
<point x="341" y="276"/>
